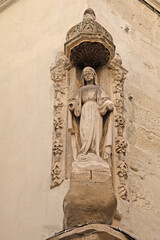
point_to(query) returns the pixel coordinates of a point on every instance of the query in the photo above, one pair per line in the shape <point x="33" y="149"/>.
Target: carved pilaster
<point x="59" y="77"/>
<point x="118" y="74"/>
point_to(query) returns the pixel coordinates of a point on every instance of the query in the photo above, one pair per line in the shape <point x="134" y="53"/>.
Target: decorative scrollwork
<point x="122" y="169"/>
<point x="59" y="87"/>
<point x="121" y="145"/>
<point x="119" y="104"/>
<point x="58" y="104"/>
<point x="118" y="74"/>
<point x="58" y="75"/>
<point x="123" y="191"/>
<point x="57" y="147"/>
<point x="56" y="174"/>
<point x="58" y="122"/>
<point x="119" y="123"/>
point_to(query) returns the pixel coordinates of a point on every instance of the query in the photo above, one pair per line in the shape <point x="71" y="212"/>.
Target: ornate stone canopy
<point x="88" y="43"/>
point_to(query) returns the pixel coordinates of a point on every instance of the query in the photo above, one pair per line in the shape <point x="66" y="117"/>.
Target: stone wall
<point x="136" y="32"/>
<point x="31" y="33"/>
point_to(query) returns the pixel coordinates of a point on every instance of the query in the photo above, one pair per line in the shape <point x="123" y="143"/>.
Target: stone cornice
<point x="154" y="5"/>
<point x="5" y="4"/>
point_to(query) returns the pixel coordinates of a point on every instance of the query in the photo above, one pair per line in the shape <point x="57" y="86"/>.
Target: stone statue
<point x="90" y="198"/>
<point x="92" y="105"/>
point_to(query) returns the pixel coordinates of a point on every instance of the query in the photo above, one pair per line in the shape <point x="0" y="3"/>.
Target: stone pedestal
<point x="90" y="198"/>
<point x="90" y="232"/>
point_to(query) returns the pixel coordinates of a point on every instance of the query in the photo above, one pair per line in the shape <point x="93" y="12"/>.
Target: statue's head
<point x="88" y="75"/>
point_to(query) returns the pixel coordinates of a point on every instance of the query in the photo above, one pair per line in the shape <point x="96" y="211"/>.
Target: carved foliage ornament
<point x="118" y="74"/>
<point x="58" y="75"/>
<point x="121" y="145"/>
<point x="120" y="123"/>
<point x="56" y="173"/>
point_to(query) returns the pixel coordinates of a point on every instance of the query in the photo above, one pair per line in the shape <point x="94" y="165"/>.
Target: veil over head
<point x="95" y="75"/>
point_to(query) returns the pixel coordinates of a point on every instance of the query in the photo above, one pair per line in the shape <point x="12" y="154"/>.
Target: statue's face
<point x="88" y="74"/>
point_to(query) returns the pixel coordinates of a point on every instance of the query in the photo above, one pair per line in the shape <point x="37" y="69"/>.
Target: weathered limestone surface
<point x="31" y="34"/>
<point x="140" y="51"/>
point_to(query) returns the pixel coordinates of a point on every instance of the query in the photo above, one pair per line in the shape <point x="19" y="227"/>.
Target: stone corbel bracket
<point x="120" y="145"/>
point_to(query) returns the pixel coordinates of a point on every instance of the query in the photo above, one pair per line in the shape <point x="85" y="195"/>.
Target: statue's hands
<point x="71" y="105"/>
<point x="110" y="105"/>
<point x="107" y="152"/>
<point x="105" y="106"/>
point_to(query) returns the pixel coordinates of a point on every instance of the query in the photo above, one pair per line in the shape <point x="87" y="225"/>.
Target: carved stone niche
<point x="89" y="145"/>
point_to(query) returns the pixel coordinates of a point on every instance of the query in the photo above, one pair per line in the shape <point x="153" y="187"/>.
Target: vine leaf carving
<point x="58" y="75"/>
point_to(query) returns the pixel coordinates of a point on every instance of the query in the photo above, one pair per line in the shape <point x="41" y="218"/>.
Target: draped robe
<point x="91" y="104"/>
